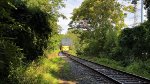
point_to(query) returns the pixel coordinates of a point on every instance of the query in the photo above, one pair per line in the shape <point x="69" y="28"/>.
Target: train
<point x="65" y="44"/>
<point x="65" y="48"/>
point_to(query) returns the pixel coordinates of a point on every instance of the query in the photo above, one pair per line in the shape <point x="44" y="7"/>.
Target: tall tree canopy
<point x="104" y="19"/>
<point x="25" y="29"/>
<point x="99" y="12"/>
<point x="29" y="23"/>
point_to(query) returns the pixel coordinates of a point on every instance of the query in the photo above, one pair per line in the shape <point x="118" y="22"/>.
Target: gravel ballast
<point x="84" y="75"/>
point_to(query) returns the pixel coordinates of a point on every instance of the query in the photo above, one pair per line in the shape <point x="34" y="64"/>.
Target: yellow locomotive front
<point x="65" y="44"/>
<point x="64" y="48"/>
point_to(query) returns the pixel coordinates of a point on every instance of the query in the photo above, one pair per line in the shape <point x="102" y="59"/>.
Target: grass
<point x="137" y="67"/>
<point x="41" y="71"/>
<point x="104" y="61"/>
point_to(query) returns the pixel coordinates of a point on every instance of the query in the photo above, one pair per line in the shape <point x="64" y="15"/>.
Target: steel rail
<point x="111" y="79"/>
<point x="147" y="81"/>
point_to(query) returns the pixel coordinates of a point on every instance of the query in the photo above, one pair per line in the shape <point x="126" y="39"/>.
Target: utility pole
<point x="135" y="4"/>
<point x="142" y="11"/>
<point x="135" y="13"/>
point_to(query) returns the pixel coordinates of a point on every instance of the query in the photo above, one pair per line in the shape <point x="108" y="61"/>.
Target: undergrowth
<point x="140" y="68"/>
<point x="41" y="71"/>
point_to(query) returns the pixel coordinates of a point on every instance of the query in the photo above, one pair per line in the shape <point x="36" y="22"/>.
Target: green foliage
<point x="104" y="60"/>
<point x="129" y="8"/>
<point x="99" y="13"/>
<point x="10" y="56"/>
<point x="27" y="24"/>
<point x="147" y="6"/>
<point x="105" y="19"/>
<point x="139" y="68"/>
<point x="126" y="47"/>
<point x="136" y="41"/>
<point x="42" y="71"/>
<point x="36" y="32"/>
<point x="147" y="3"/>
<point x="54" y="42"/>
<point x="111" y="41"/>
<point x="30" y="24"/>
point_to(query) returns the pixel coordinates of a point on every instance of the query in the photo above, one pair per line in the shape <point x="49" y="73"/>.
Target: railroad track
<point x="116" y="76"/>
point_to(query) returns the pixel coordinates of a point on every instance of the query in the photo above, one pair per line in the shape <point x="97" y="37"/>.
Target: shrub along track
<point x="115" y="76"/>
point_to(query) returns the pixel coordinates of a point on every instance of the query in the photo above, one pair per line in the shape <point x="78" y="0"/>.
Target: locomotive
<point x="65" y="44"/>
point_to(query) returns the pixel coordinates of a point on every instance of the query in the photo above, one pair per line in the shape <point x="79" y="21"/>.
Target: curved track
<point x="116" y="76"/>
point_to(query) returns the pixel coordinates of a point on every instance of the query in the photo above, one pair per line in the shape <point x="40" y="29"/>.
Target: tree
<point x="102" y="16"/>
<point x="147" y="6"/>
<point x="25" y="29"/>
<point x="30" y="23"/>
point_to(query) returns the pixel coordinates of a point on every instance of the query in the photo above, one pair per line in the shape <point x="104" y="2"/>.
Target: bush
<point x="42" y="71"/>
<point x="10" y="58"/>
<point x="139" y="68"/>
<point x="135" y="41"/>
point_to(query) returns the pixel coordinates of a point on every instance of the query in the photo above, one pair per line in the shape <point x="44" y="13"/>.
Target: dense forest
<point x="27" y="29"/>
<point x="100" y="32"/>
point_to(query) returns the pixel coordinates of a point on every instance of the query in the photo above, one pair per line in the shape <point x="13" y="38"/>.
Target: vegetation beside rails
<point x="41" y="71"/>
<point x="27" y="28"/>
<point x="140" y="68"/>
<point x="109" y="42"/>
